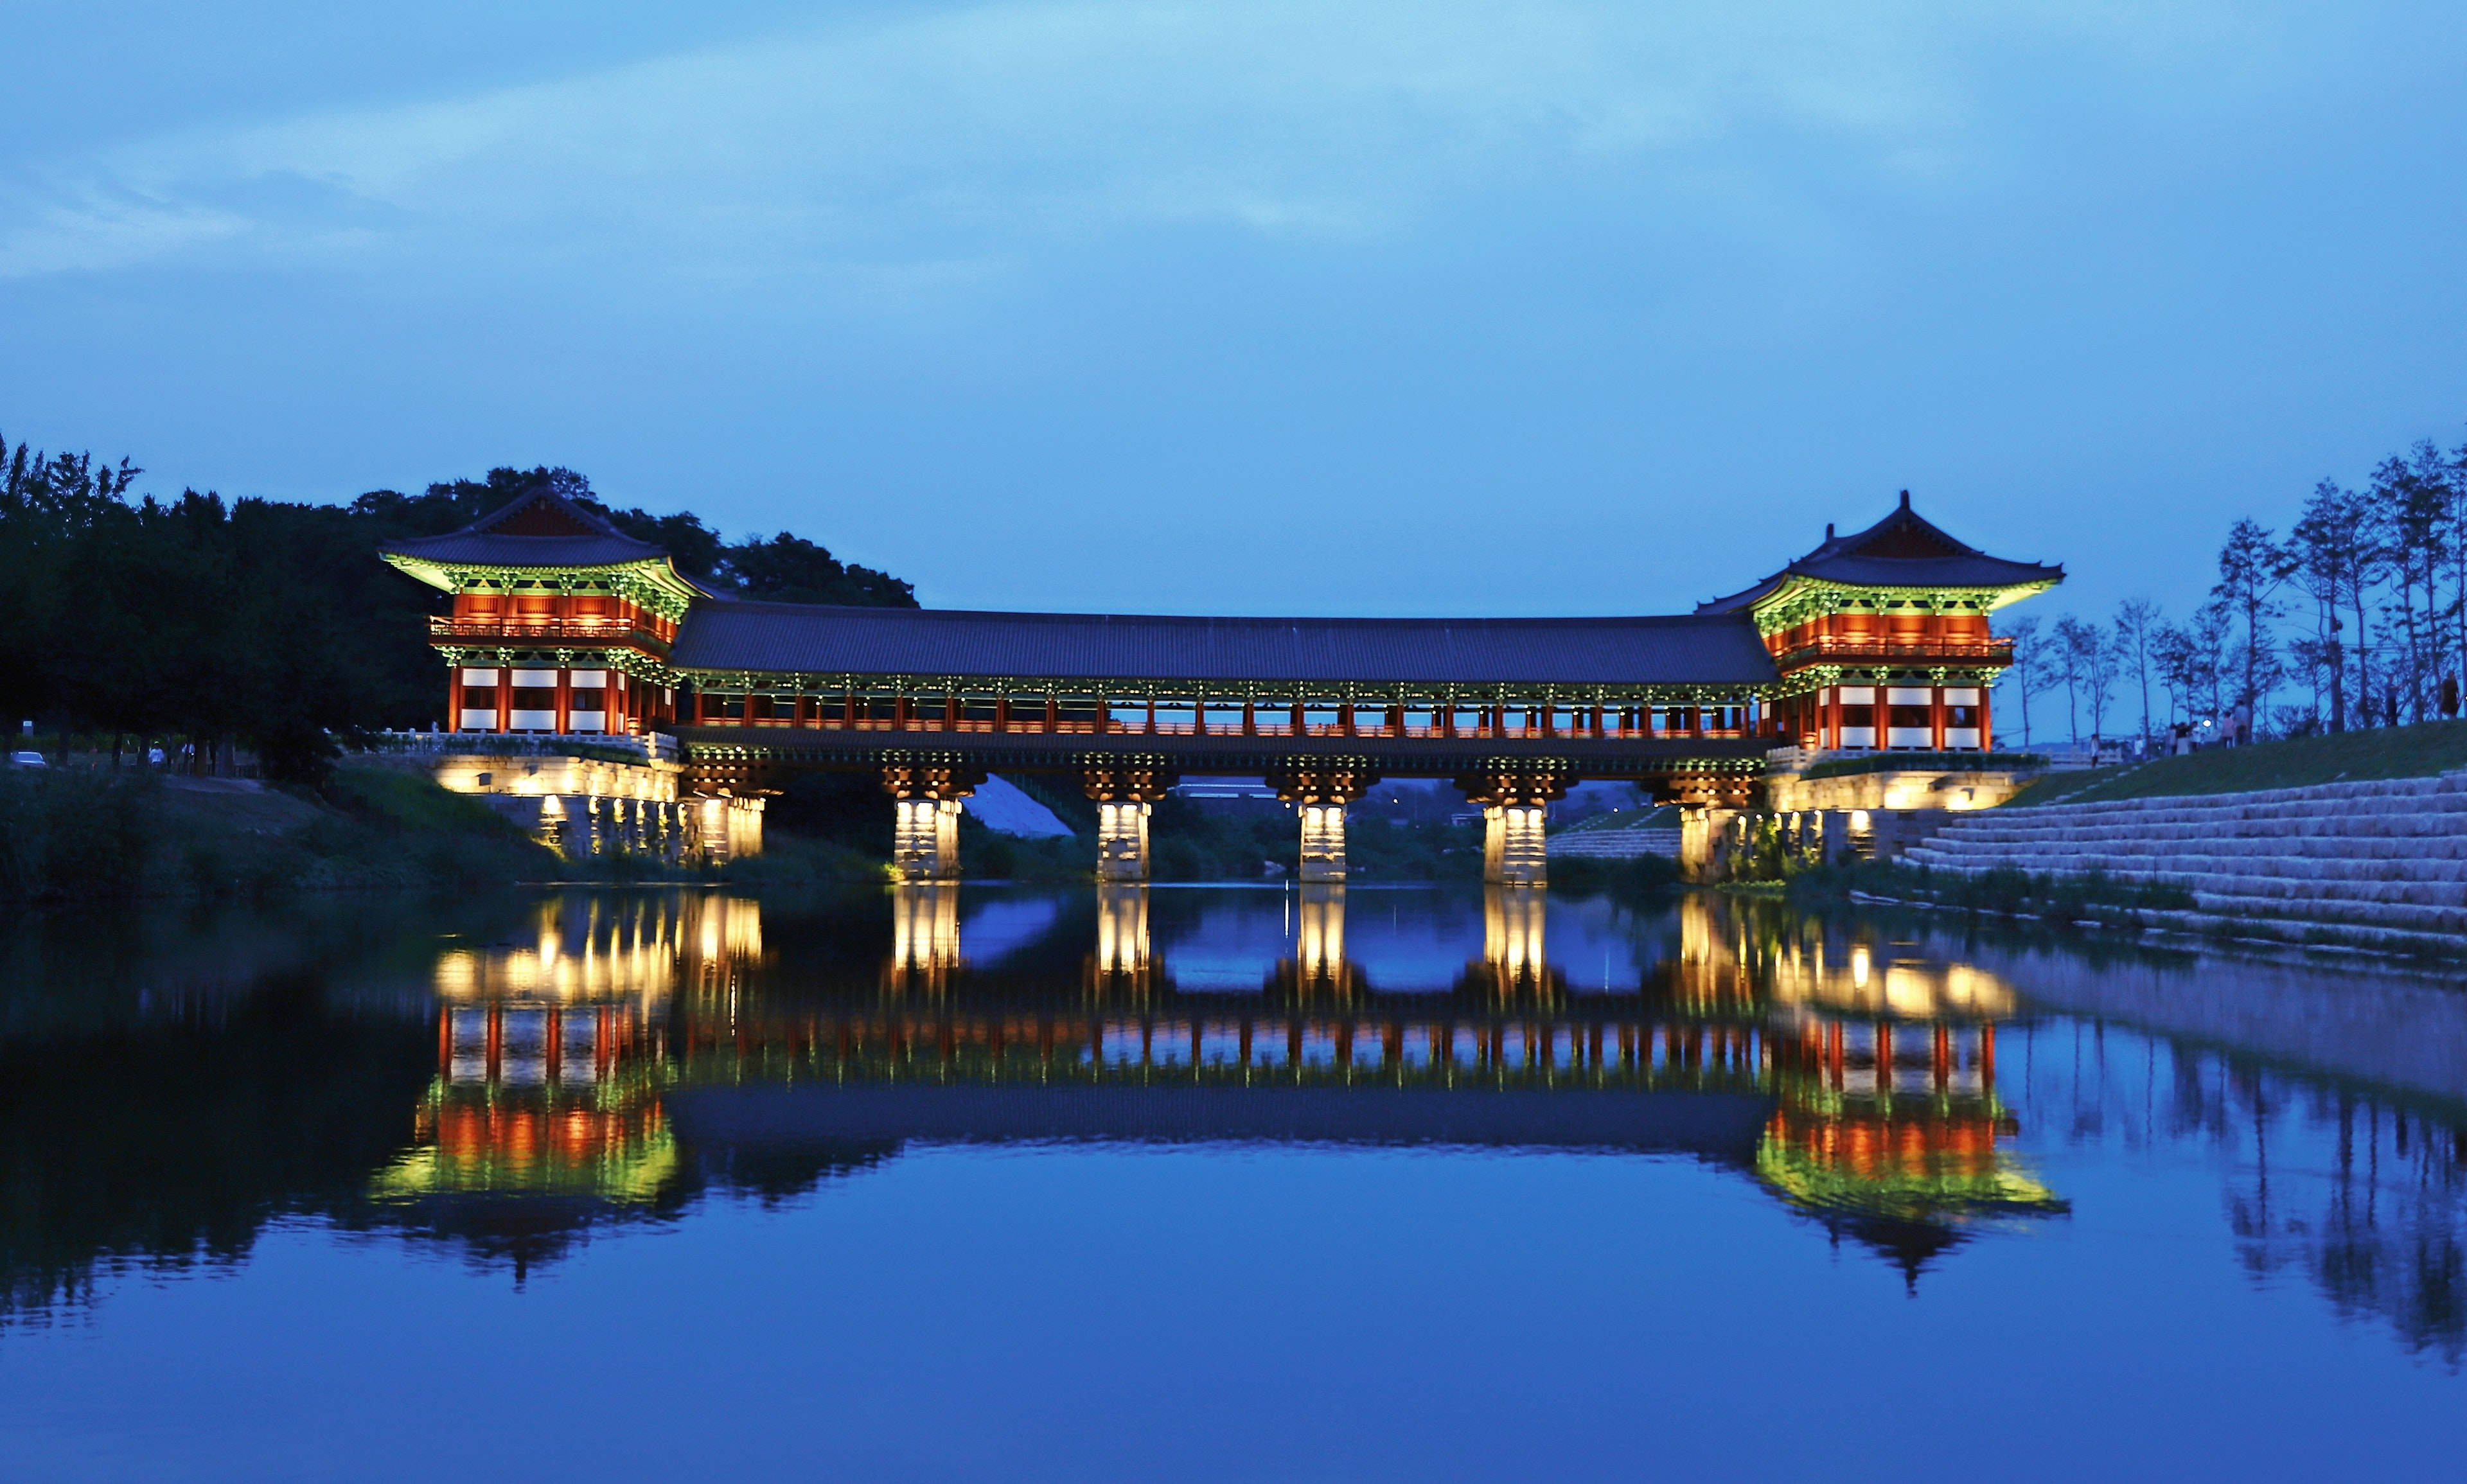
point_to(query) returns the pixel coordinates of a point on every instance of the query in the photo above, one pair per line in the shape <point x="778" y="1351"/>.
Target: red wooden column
<point x="504" y="698"/>
<point x="454" y="697"/>
<point x="564" y="697"/>
<point x="1936" y="717"/>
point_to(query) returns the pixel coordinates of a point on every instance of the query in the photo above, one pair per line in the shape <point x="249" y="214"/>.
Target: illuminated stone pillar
<point x="925" y="821"/>
<point x="1123" y="841"/>
<point x="1318" y="794"/>
<point x="925" y="839"/>
<point x="558" y="829"/>
<point x="1514" y="852"/>
<point x="1122" y="795"/>
<point x="1515" y="805"/>
<point x="1709" y="840"/>
<point x="711" y="827"/>
<point x="1322" y="857"/>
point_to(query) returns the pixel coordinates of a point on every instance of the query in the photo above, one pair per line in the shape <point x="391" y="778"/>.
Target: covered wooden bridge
<point x="565" y="626"/>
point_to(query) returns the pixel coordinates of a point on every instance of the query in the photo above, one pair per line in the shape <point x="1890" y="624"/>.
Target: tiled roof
<point x="542" y="529"/>
<point x="463" y="548"/>
<point x="1901" y="550"/>
<point x="785" y="637"/>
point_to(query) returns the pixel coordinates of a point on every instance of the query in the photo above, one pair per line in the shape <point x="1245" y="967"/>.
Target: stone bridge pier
<point x="1124" y="797"/>
<point x="1319" y="794"/>
<point x="1514" y="806"/>
<point x="925" y="831"/>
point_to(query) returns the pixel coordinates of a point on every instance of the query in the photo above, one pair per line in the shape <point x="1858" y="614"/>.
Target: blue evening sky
<point x="1427" y="308"/>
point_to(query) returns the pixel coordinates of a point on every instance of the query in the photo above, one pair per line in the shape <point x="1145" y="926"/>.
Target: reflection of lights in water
<point x="924" y="927"/>
<point x="592" y="948"/>
<point x="1511" y="932"/>
<point x="1122" y="929"/>
<point x="550" y="1060"/>
<point x="1798" y="973"/>
<point x="1319" y="937"/>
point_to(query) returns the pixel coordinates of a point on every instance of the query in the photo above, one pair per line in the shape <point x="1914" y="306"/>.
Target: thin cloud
<point x="990" y="130"/>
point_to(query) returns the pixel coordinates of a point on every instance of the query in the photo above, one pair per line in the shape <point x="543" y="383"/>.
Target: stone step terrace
<point x="2380" y="863"/>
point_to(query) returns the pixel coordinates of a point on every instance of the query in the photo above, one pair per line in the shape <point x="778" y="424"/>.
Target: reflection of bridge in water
<point x="573" y="1066"/>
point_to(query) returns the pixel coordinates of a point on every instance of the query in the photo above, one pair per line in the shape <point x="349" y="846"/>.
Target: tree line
<point x="2359" y="612"/>
<point x="272" y="627"/>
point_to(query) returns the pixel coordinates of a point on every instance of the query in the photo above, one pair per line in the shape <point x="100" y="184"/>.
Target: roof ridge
<point x="591" y="522"/>
<point x="1902" y="537"/>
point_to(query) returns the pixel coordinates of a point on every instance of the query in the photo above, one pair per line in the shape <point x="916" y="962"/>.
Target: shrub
<point x="73" y="833"/>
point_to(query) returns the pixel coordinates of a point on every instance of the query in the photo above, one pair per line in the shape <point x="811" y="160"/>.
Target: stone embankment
<point x="2377" y="864"/>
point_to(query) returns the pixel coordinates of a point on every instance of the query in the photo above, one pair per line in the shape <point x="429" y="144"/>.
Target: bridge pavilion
<point x="564" y="627"/>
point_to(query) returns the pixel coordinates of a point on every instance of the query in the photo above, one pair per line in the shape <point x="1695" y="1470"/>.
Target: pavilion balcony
<point x="598" y="632"/>
<point x="1843" y="649"/>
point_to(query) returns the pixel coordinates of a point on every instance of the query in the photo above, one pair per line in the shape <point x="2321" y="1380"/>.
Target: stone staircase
<point x="1613" y="844"/>
<point x="2374" y="865"/>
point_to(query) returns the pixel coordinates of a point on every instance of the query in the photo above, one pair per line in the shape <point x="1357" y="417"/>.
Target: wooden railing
<point x="1836" y="646"/>
<point x="589" y="631"/>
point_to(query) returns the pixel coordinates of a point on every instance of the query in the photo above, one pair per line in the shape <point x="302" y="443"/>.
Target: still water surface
<point x="981" y="1182"/>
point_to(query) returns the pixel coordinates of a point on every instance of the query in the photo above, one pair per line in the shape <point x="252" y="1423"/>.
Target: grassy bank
<point x="2091" y="897"/>
<point x="76" y="834"/>
<point x="2415" y="751"/>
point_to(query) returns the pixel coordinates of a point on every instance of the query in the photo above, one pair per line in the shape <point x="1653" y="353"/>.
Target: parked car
<point x="27" y="760"/>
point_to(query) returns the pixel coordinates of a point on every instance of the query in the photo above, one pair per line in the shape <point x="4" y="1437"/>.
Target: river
<point x="987" y="1182"/>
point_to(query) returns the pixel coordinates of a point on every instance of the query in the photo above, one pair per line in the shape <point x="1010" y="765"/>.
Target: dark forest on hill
<point x="268" y="625"/>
